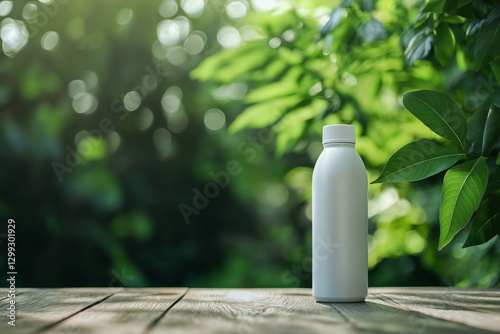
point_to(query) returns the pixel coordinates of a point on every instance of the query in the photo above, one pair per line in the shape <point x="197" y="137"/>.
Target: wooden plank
<point x="126" y="312"/>
<point x="291" y="311"/>
<point x="479" y="308"/>
<point x="155" y="310"/>
<point x="37" y="308"/>
<point x="249" y="311"/>
<point x="5" y="295"/>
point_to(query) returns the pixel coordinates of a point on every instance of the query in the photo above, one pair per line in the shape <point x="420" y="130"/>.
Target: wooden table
<point x="245" y="311"/>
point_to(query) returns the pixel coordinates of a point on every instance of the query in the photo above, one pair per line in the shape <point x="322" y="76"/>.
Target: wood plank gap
<point x="154" y="322"/>
<point x="52" y="325"/>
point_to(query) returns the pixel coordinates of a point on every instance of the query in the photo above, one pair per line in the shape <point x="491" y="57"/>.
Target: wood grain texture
<point x="128" y="311"/>
<point x="246" y="311"/>
<point x="478" y="308"/>
<point x="249" y="311"/>
<point x="292" y="311"/>
<point x="37" y="308"/>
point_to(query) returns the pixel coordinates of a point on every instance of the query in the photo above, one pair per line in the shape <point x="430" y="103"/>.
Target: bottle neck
<point x="328" y="145"/>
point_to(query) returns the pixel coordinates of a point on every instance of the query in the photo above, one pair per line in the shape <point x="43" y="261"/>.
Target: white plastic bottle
<point x="340" y="219"/>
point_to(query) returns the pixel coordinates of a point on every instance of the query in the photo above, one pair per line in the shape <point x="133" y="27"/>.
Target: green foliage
<point x="463" y="188"/>
<point x="419" y="45"/>
<point x="359" y="57"/>
<point x="488" y="39"/>
<point x="439" y="113"/>
<point x="465" y="184"/>
<point x="443" y="6"/>
<point x="417" y="161"/>
<point x="114" y="219"/>
<point x="445" y="44"/>
<point x="486" y="223"/>
<point x="484" y="127"/>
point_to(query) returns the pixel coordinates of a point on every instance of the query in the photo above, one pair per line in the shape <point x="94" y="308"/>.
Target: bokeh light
<point x="275" y="195"/>
<point x="75" y="87"/>
<point x="193" y="8"/>
<point x="14" y="35"/>
<point x="171" y="100"/>
<point x="5" y="7"/>
<point x="214" y="119"/>
<point x="264" y="5"/>
<point x="229" y="37"/>
<point x="113" y="140"/>
<point x="168" y="32"/>
<point x="132" y="100"/>
<point x="158" y="50"/>
<point x="50" y="40"/>
<point x="195" y="42"/>
<point x="184" y="25"/>
<point x="30" y="11"/>
<point x="162" y="140"/>
<point x="91" y="80"/>
<point x="124" y="16"/>
<point x="168" y="8"/>
<point x="274" y="42"/>
<point x="146" y="119"/>
<point x="178" y="121"/>
<point x="176" y="55"/>
<point x="84" y="103"/>
<point x="236" y="9"/>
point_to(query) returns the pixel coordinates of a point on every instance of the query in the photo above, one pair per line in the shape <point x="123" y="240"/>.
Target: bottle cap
<point x="339" y="133"/>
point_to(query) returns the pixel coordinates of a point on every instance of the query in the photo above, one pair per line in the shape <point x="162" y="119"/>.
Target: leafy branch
<point x="470" y="188"/>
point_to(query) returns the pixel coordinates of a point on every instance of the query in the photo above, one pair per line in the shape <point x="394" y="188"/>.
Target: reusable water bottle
<point x="340" y="219"/>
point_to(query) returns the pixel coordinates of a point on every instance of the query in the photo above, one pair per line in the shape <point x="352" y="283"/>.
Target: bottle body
<point x="340" y="225"/>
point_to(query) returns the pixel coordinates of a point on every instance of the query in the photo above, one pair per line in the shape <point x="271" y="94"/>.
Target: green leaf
<point x="292" y="57"/>
<point x="493" y="182"/>
<point x="498" y="159"/>
<point x="264" y="114"/>
<point x="454" y="19"/>
<point x="486" y="222"/>
<point x="368" y="5"/>
<point x="419" y="46"/>
<point x="301" y="114"/>
<point x="475" y="130"/>
<point x="444" y="46"/>
<point x="288" y="85"/>
<point x="443" y="6"/>
<point x="473" y="27"/>
<point x="372" y="31"/>
<point x="229" y="65"/>
<point x="491" y="136"/>
<point x="272" y="91"/>
<point x="420" y="20"/>
<point x="487" y="45"/>
<point x="439" y="113"/>
<point x="417" y="161"/>
<point x="333" y="21"/>
<point x="463" y="188"/>
<point x="495" y="68"/>
<point x="286" y="139"/>
<point x="484" y="130"/>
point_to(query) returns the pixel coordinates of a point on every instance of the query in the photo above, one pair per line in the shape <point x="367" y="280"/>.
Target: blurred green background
<point x="106" y="209"/>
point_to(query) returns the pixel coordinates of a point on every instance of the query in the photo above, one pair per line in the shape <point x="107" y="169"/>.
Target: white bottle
<point x="340" y="219"/>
